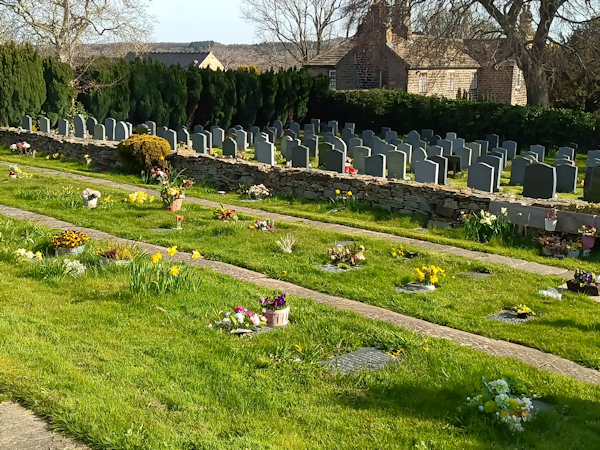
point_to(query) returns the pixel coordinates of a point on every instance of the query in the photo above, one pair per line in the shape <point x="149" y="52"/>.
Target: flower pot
<point x="12" y="175"/>
<point x="122" y="262"/>
<point x="176" y="206"/>
<point x="428" y="287"/>
<point x="550" y="225"/>
<point x="90" y="202"/>
<point x="573" y="254"/>
<point x="547" y="251"/>
<point x="589" y="289"/>
<point x="588" y="241"/>
<point x="277" y="317"/>
<point x="63" y="251"/>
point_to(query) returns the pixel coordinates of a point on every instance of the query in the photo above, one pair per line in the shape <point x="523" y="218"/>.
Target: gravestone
<point x="407" y="150"/>
<point x="290" y="133"/>
<point x="334" y="126"/>
<point x="385" y="148"/>
<point x="338" y="144"/>
<point x="385" y="130"/>
<point x="346" y="134"/>
<point x="592" y="156"/>
<point x="199" y="143"/>
<point x="375" y="165"/>
<point x="241" y="139"/>
<point x="352" y="143"/>
<point x="446" y="146"/>
<point x="121" y="131"/>
<point x="591" y="185"/>
<point x="110" y="124"/>
<point x="376" y="145"/>
<point x="295" y="127"/>
<point x="517" y="172"/>
<point x="327" y="129"/>
<point x="198" y="129"/>
<point x="261" y="137"/>
<point x="391" y="135"/>
<point x="511" y="149"/>
<point x="171" y="137"/>
<point x="457" y="143"/>
<point x="316" y="125"/>
<point x="502" y="153"/>
<point x="160" y="132"/>
<point x="272" y="133"/>
<point x="99" y="132"/>
<point x="230" y="147"/>
<point x="396" y="142"/>
<point x="278" y="125"/>
<point x="572" y="145"/>
<point x="396" y="165"/>
<point x="484" y="145"/>
<point x="183" y="136"/>
<point x="562" y="161"/>
<point x="289" y="149"/>
<point x="309" y="128"/>
<point x="435" y="139"/>
<point x="418" y="154"/>
<point x="336" y="161"/>
<point x="497" y="164"/>
<point x="540" y="181"/>
<point x="426" y="171"/>
<point x="149" y="123"/>
<point x="264" y="152"/>
<point x="566" y="178"/>
<point x="90" y="125"/>
<point x="539" y="150"/>
<point x="530" y="155"/>
<point x="218" y="136"/>
<point x="414" y="139"/>
<point x="63" y="127"/>
<point x="79" y="124"/>
<point x="493" y="140"/>
<point x="435" y="150"/>
<point x="475" y="150"/>
<point x="300" y="155"/>
<point x="426" y="135"/>
<point x="286" y="142"/>
<point x="350" y="126"/>
<point x="129" y="127"/>
<point x="27" y="123"/>
<point x="567" y="151"/>
<point x="327" y="136"/>
<point x="442" y="168"/>
<point x="45" y="125"/>
<point x="209" y="142"/>
<point x="481" y="177"/>
<point x="367" y="137"/>
<point x="231" y="131"/>
<point x="324" y="148"/>
<point x="450" y="136"/>
<point x="464" y="154"/>
<point x="312" y="142"/>
<point x="238" y="128"/>
<point x="254" y="130"/>
<point x="360" y="154"/>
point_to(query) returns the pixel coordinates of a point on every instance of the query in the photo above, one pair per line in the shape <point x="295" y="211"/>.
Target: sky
<point x="200" y="20"/>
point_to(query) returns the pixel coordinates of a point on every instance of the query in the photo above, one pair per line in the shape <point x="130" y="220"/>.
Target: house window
<point x="451" y="82"/>
<point x="519" y="80"/>
<point x="332" y="79"/>
<point x="474" y="81"/>
<point x="422" y="83"/>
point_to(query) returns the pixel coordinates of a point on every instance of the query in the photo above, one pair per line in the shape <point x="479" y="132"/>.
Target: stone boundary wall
<point x="405" y="197"/>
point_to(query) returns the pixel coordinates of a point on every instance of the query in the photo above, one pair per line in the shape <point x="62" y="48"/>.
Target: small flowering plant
<point x="553" y="245"/>
<point x="588" y="230"/>
<point x="15" y="172"/>
<point x="344" y="256"/>
<point x="258" y="191"/>
<point x="139" y="198"/>
<point x="429" y="275"/>
<point x="523" y="310"/>
<point x="90" y="194"/>
<point x="28" y="255"/>
<point x="239" y="319"/>
<point x="22" y="148"/>
<point x="221" y="213"/>
<point x="178" y="222"/>
<point x="484" y="225"/>
<point x="264" y="225"/>
<point x="170" y="193"/>
<point x="497" y="401"/>
<point x="273" y="303"/>
<point x="69" y="239"/>
<point x="584" y="278"/>
<point x="551" y="214"/>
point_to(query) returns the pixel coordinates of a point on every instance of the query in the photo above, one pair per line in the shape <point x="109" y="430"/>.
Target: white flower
<point x="500" y="386"/>
<point x="502" y="401"/>
<point x="504" y="211"/>
<point x="239" y="317"/>
<point x="13" y="147"/>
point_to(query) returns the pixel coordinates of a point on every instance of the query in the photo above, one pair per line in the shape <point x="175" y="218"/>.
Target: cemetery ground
<point x="115" y="370"/>
<point x="353" y="214"/>
<point x="568" y="328"/>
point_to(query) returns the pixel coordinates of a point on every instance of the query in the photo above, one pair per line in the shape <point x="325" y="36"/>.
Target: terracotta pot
<point x="588" y="241"/>
<point x="589" y="289"/>
<point x="63" y="251"/>
<point x="550" y="225"/>
<point x="176" y="204"/>
<point x="277" y="317"/>
<point x="90" y="203"/>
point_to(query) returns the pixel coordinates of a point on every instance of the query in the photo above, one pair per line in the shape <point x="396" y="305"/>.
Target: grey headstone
<point x="531" y="155"/>
<point x="346" y="134"/>
<point x="360" y="153"/>
<point x="316" y="125"/>
<point x="309" y="128"/>
<point x="376" y="145"/>
<point x="567" y="151"/>
<point x="391" y="135"/>
<point x="511" y="149"/>
<point x="334" y="126"/>
<point x="539" y="150"/>
<point x="503" y="153"/>
<point x="327" y="135"/>
<point x="129" y="127"/>
<point x="110" y="124"/>
<point x="366" y="358"/>
<point x="300" y="155"/>
<point x="312" y="143"/>
<point x="229" y="147"/>
<point x="171" y="137"/>
<point x="336" y="161"/>
<point x="375" y="165"/>
<point x="295" y="127"/>
<point x="450" y="136"/>
<point x="464" y="154"/>
<point x="289" y="149"/>
<point x="442" y="169"/>
<point x="161" y="131"/>
<point x="493" y="140"/>
<point x="183" y="136"/>
<point x="350" y="126"/>
<point x="121" y="131"/>
<point x="286" y="142"/>
<point x="384" y="130"/>
<point x="435" y="150"/>
<point x="278" y="125"/>
<point x="63" y="127"/>
<point x="79" y="125"/>
<point x="324" y="148"/>
<point x="475" y="150"/>
<point x="426" y="171"/>
<point x="426" y="134"/>
<point x="264" y="152"/>
<point x="384" y="149"/>
<point x="352" y="143"/>
<point x="27" y="123"/>
<point x="90" y="125"/>
<point x="591" y="185"/>
<point x="254" y="130"/>
<point x="446" y="146"/>
<point x="481" y="177"/>
<point x="497" y="163"/>
<point x="272" y="132"/>
<point x="396" y="165"/>
<point x="413" y="138"/>
<point x="338" y="144"/>
<point x="407" y="150"/>
<point x="241" y="139"/>
<point x="566" y="178"/>
<point x="572" y="145"/>
<point x="209" y="141"/>
<point x="199" y="143"/>
<point x="540" y="181"/>
<point x="99" y="132"/>
<point x="517" y="171"/>
<point x="291" y="133"/>
<point x="367" y="137"/>
<point x="198" y="129"/>
<point x="218" y="136"/>
<point x="262" y="137"/>
<point x="435" y="139"/>
<point x="238" y="127"/>
<point x="418" y="154"/>
<point x="45" y="125"/>
<point x="457" y="143"/>
<point x="484" y="145"/>
<point x="327" y="129"/>
<point x="592" y="156"/>
<point x="231" y="131"/>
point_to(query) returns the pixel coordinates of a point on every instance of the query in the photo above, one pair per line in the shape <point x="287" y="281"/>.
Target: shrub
<point x="143" y="152"/>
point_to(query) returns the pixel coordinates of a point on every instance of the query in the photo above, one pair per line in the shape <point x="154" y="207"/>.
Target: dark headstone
<point x="496" y="163"/>
<point x="229" y="147"/>
<point x="300" y="155"/>
<point x="540" y="181"/>
<point x="336" y="161"/>
<point x="375" y="165"/>
<point x="566" y="178"/>
<point x="442" y="162"/>
<point x="481" y="177"/>
<point x="517" y="171"/>
<point x="426" y="171"/>
<point x="396" y="165"/>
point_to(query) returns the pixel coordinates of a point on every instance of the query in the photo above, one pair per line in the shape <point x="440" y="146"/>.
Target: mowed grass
<point x="360" y="216"/>
<point x="568" y="328"/>
<point x="113" y="371"/>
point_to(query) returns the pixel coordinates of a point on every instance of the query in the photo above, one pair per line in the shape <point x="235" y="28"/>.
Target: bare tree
<point x="63" y="27"/>
<point x="305" y="27"/>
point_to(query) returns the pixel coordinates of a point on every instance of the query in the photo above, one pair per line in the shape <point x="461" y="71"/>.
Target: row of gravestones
<point x="111" y="130"/>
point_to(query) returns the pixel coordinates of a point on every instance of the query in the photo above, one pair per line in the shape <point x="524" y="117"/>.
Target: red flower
<point x="179" y="218"/>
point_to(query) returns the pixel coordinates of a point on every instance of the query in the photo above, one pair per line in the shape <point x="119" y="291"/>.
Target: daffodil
<point x="162" y="158"/>
<point x="337" y="191"/>
<point x="349" y="193"/>
<point x="38" y="255"/>
<point x="172" y="250"/>
<point x="174" y="271"/>
<point x="196" y="254"/>
<point x="156" y="257"/>
<point x="48" y="157"/>
<point x="298" y="348"/>
<point x="86" y="156"/>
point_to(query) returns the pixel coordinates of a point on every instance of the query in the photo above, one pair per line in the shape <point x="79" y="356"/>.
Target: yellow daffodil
<point x="151" y="198"/>
<point x="337" y="191"/>
<point x="86" y="156"/>
<point x="298" y="348"/>
<point x="162" y="158"/>
<point x="394" y="254"/>
<point x="172" y="250"/>
<point x="174" y="271"/>
<point x="196" y="254"/>
<point x="62" y="156"/>
<point x="38" y="255"/>
<point x="349" y="193"/>
<point x="55" y="155"/>
<point x="426" y="349"/>
<point x="48" y="157"/>
<point x="156" y="257"/>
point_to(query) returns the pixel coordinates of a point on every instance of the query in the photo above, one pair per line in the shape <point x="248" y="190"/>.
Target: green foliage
<point x="59" y="91"/>
<point x="145" y="87"/>
<point x="210" y="108"/>
<point x="269" y="85"/>
<point x="173" y="86"/>
<point x="194" y="92"/>
<point x="22" y="86"/>
<point x="483" y="226"/>
<point x="249" y="96"/>
<point x="147" y="278"/>
<point x="229" y="100"/>
<point x="143" y="152"/>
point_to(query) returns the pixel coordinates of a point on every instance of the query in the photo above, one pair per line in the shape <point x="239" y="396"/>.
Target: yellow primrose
<point x="172" y="250"/>
<point x="55" y="155"/>
<point x="162" y="158"/>
<point x="86" y="156"/>
<point x="38" y="255"/>
<point x="48" y="157"/>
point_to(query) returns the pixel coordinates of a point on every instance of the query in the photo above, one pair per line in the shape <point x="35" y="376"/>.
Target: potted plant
<point x="173" y="191"/>
<point x="263" y="225"/>
<point x="551" y="245"/>
<point x="588" y="238"/>
<point x="551" y="219"/>
<point x="573" y="249"/>
<point x="69" y="242"/>
<point x="345" y="257"/>
<point x="240" y="321"/>
<point x="276" y="310"/>
<point x="110" y="252"/>
<point x="90" y="198"/>
<point x="429" y="276"/>
<point x="258" y="191"/>
<point x="13" y="171"/>
<point x="523" y="311"/>
<point x="584" y="281"/>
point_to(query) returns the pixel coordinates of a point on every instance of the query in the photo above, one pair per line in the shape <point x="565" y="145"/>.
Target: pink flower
<point x="238" y="309"/>
<point x="255" y="320"/>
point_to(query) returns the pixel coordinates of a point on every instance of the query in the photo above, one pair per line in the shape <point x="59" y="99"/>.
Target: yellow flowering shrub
<point x="143" y="152"/>
<point x="69" y="238"/>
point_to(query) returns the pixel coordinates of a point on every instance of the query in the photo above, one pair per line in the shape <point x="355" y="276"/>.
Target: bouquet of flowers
<point x="264" y="225"/>
<point x="552" y="245"/>
<point x="429" y="275"/>
<point x="240" y="321"/>
<point x="551" y="214"/>
<point x="584" y="278"/>
<point x="588" y="230"/>
<point x="523" y="310"/>
<point x="224" y="214"/>
<point x="258" y="191"/>
<point x="159" y="176"/>
<point x="345" y="256"/>
<point x="90" y="194"/>
<point x="273" y="303"/>
<point x="15" y="172"/>
<point x="497" y="401"/>
<point x="176" y="190"/>
<point x="22" y="148"/>
<point x="69" y="239"/>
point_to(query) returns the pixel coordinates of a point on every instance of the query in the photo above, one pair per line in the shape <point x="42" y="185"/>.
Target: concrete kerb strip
<point x="514" y="263"/>
<point x="533" y="357"/>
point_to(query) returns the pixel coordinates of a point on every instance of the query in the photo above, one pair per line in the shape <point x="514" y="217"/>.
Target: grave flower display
<point x="90" y="198"/>
<point x="522" y="311"/>
<point x="221" y="213"/>
<point x="15" y="172"/>
<point x="551" y="219"/>
<point x="345" y="256"/>
<point x="483" y="226"/>
<point x="584" y="281"/>
<point x="240" y="321"/>
<point x="588" y="236"/>
<point x="139" y="198"/>
<point x="28" y="255"/>
<point x="258" y="191"/>
<point x="497" y="402"/>
<point x="173" y="192"/>
<point x="113" y="252"/>
<point x="276" y="310"/>
<point x="179" y="222"/>
<point x="264" y="225"/>
<point x="23" y="148"/>
<point x="430" y="276"/>
<point x="573" y="249"/>
<point x="69" y="242"/>
<point x="552" y="245"/>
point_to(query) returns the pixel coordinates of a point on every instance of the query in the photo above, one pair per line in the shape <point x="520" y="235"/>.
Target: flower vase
<point x="176" y="206"/>
<point x="63" y="251"/>
<point x="90" y="202"/>
<point x="550" y="225"/>
<point x="277" y="317"/>
<point x="573" y="254"/>
<point x="588" y="241"/>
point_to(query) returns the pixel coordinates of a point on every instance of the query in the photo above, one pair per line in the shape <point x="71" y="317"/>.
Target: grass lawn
<point x="113" y="371"/>
<point x="568" y="328"/>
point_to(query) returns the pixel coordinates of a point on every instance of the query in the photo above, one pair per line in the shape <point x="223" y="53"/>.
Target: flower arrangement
<point x="523" y="310"/>
<point x="483" y="226"/>
<point x="584" y="278"/>
<point x="273" y="303"/>
<point x="74" y="267"/>
<point x="178" y="222"/>
<point x="241" y="320"/>
<point x="345" y="256"/>
<point x="551" y="214"/>
<point x="286" y="243"/>
<point x="69" y="239"/>
<point x="258" y="191"/>
<point x="90" y="197"/>
<point x="501" y="405"/>
<point x="139" y="198"/>
<point x="25" y="255"/>
<point x="156" y="176"/>
<point x="587" y="230"/>
<point x="172" y="191"/>
<point x="264" y="225"/>
<point x="552" y="245"/>
<point x="573" y="246"/>
<point x="22" y="148"/>
<point x="115" y="251"/>
<point x="15" y="172"/>
<point x="350" y="170"/>
<point x="430" y="276"/>
<point x="221" y="213"/>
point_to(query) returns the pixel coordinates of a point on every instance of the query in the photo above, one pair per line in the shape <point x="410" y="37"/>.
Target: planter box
<point x="277" y="317"/>
<point x="64" y="251"/>
<point x="591" y="290"/>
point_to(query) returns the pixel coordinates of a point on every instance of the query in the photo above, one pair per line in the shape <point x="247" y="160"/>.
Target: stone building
<point x="184" y="59"/>
<point x="385" y="56"/>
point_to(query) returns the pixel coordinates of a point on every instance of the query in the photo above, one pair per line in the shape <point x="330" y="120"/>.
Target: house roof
<point x="333" y="56"/>
<point x="425" y="52"/>
<point x="184" y="59"/>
